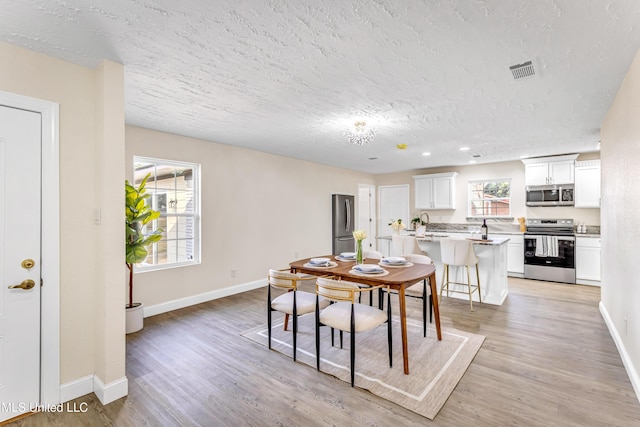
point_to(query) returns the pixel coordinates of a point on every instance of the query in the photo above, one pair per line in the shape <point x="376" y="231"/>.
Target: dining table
<point x="396" y="277"/>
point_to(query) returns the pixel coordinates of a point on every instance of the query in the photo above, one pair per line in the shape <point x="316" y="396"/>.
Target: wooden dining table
<point x="398" y="278"/>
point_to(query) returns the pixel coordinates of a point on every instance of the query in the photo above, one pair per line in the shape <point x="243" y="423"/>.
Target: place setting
<point x="395" y="262"/>
<point x="368" y="270"/>
<point x="320" y="263"/>
<point x="346" y="256"/>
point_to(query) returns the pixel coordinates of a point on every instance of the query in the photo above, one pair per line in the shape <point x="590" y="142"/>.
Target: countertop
<point x="495" y="241"/>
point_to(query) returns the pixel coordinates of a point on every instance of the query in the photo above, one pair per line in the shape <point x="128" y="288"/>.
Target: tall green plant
<point x="138" y="214"/>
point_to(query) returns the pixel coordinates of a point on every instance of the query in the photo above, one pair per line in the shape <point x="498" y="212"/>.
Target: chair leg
<point x="295" y="327"/>
<point x="269" y="314"/>
<point x="318" y="334"/>
<point x="341" y="338"/>
<point x="286" y="321"/>
<point x="469" y="287"/>
<point x="333" y="342"/>
<point x="431" y="308"/>
<point x="352" y="350"/>
<point x="389" y="329"/>
<point x="478" y="279"/>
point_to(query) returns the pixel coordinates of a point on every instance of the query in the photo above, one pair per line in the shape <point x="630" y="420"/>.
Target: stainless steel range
<point x="549" y="250"/>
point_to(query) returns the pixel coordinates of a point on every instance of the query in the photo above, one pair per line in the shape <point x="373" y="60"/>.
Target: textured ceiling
<point x="289" y="76"/>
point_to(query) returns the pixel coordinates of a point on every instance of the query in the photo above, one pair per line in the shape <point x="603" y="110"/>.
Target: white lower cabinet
<point x="515" y="253"/>
<point x="588" y="260"/>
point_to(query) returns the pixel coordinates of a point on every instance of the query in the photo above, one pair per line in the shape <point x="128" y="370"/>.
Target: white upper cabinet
<point x="550" y="170"/>
<point x="435" y="191"/>
<point x="587" y="187"/>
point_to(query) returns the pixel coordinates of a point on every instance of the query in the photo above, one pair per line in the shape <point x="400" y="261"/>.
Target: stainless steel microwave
<point x="550" y="195"/>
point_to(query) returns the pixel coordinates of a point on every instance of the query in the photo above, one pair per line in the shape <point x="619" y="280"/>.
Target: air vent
<point x="523" y="70"/>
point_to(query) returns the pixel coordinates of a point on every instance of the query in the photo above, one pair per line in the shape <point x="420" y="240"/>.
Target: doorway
<point x="42" y="114"/>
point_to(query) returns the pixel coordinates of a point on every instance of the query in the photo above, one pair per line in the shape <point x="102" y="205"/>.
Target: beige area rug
<point x="435" y="366"/>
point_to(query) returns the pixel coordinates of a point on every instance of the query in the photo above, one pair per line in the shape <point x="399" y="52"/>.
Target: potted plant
<point x="138" y="214"/>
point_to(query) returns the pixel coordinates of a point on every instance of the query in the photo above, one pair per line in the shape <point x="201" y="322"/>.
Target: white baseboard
<point x="632" y="371"/>
<point x="107" y="393"/>
<point x="92" y="384"/>
<point x="76" y="388"/>
<point x="200" y="298"/>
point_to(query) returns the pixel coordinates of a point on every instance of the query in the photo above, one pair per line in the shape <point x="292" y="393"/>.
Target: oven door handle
<point x="568" y="238"/>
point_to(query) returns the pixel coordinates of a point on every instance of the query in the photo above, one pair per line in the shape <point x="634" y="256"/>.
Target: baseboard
<point x="108" y="393"/>
<point x="76" y="388"/>
<point x="632" y="372"/>
<point x="200" y="298"/>
<point x="92" y="384"/>
<point x="588" y="282"/>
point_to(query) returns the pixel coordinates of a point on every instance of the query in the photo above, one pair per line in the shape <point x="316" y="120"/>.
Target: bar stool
<point x="458" y="253"/>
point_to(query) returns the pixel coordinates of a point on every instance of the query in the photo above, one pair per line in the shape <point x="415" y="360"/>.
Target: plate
<point x="329" y="264"/>
<point x="406" y="264"/>
<point x="340" y="258"/>
<point x="319" y="261"/>
<point x="382" y="272"/>
<point x="348" y="254"/>
<point x="394" y="260"/>
<point x="369" y="268"/>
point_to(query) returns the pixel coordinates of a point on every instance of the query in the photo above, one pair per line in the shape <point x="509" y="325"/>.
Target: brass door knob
<point x="25" y="284"/>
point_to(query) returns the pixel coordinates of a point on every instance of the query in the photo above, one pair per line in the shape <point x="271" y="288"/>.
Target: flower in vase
<point x="359" y="235"/>
<point x="397" y="225"/>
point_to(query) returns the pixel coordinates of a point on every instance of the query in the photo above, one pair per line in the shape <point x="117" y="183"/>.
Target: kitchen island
<point x="492" y="267"/>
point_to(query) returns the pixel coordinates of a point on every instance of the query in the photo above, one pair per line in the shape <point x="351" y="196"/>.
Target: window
<point x="174" y="190"/>
<point x="490" y="198"/>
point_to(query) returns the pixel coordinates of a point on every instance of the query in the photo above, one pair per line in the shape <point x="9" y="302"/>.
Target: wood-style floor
<point x="548" y="360"/>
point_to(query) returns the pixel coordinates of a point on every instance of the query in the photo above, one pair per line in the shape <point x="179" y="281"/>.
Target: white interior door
<point x="20" y="231"/>
<point x="393" y="202"/>
<point x="367" y="214"/>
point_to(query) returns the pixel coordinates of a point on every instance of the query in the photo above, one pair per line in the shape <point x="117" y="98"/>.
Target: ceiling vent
<point x="523" y="70"/>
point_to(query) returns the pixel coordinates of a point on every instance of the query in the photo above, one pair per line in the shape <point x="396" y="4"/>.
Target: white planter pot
<point x="135" y="318"/>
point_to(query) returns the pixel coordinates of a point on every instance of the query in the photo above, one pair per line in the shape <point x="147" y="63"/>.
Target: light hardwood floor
<point x="548" y="360"/>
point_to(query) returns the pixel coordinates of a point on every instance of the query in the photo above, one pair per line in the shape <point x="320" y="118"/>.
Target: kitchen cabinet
<point x="435" y="191"/>
<point x="588" y="260"/>
<point x="550" y="170"/>
<point x="515" y="253"/>
<point x="587" y="186"/>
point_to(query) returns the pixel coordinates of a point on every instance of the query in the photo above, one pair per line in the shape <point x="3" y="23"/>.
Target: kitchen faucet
<point x="421" y="217"/>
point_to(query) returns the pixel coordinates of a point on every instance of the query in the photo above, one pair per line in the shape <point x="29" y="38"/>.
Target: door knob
<point x="25" y="284"/>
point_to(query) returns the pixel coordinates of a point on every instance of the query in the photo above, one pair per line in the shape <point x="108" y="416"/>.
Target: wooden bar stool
<point x="458" y="253"/>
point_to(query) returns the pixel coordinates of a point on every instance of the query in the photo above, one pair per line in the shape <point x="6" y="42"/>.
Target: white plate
<point x="369" y="268"/>
<point x="347" y="255"/>
<point x="319" y="261"/>
<point x="397" y="260"/>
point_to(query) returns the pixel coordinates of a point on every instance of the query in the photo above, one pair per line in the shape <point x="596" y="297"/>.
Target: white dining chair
<point x="401" y="244"/>
<point x="346" y="315"/>
<point x="292" y="302"/>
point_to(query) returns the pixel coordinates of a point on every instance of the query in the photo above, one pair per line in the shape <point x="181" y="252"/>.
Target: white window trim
<point x="197" y="244"/>
<point x="470" y="198"/>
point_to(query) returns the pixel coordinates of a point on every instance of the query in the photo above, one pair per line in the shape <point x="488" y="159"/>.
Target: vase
<point x="358" y="251"/>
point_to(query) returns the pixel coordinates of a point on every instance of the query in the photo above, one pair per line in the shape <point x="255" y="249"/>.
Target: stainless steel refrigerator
<point x="343" y="219"/>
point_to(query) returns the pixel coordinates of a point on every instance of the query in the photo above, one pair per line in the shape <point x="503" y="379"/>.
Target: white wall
<point x="620" y="141"/>
<point x="259" y="211"/>
<point x="91" y="110"/>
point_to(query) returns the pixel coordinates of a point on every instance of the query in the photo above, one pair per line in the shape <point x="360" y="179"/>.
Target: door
<point x="394" y="204"/>
<point x="20" y="136"/>
<point x="366" y="214"/>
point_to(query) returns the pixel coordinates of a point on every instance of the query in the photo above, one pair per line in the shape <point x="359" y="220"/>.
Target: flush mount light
<point x="360" y="134"/>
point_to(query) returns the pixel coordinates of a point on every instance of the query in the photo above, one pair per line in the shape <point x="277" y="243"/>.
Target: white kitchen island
<point x="492" y="267"/>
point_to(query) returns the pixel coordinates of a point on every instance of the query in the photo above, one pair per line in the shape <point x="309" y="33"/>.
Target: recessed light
<point x="472" y="161"/>
<point x="464" y="148"/>
<point x="426" y="154"/>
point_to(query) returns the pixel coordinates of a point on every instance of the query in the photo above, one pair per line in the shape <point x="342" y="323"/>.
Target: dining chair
<point x="459" y="253"/>
<point x="421" y="290"/>
<point x="346" y="315"/>
<point x="293" y="302"/>
<point x="401" y="244"/>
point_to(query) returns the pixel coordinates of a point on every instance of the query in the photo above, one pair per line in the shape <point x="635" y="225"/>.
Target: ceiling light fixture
<point x="464" y="148"/>
<point x="360" y="134"/>
<point x="426" y="154"/>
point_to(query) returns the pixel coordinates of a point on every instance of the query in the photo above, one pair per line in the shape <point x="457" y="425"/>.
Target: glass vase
<point x="358" y="251"/>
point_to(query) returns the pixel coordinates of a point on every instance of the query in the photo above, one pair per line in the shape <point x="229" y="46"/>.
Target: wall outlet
<point x="233" y="273"/>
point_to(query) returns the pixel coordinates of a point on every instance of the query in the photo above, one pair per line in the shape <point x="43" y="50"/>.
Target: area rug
<point x="435" y="367"/>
